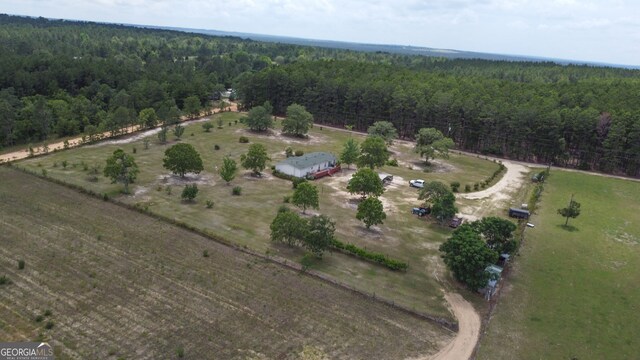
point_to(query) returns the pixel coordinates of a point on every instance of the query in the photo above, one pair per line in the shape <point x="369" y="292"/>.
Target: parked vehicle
<point x="519" y="213"/>
<point x="455" y="222"/>
<point x="416" y="183"/>
<point x="421" y="211"/>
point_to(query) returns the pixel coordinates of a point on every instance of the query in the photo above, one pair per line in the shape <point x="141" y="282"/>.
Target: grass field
<point x="119" y="284"/>
<point x="573" y="293"/>
<point x="245" y="219"/>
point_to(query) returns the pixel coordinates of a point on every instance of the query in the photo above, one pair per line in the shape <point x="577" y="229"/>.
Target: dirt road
<point x="59" y="145"/>
<point x="469" y="323"/>
<point x="498" y="195"/>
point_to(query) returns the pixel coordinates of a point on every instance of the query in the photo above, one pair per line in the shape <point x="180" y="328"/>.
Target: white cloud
<point x="598" y="30"/>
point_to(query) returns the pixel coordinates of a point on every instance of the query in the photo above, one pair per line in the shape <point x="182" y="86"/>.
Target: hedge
<point x="371" y="256"/>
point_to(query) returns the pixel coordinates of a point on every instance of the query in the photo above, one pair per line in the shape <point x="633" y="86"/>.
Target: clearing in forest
<point x="245" y="219"/>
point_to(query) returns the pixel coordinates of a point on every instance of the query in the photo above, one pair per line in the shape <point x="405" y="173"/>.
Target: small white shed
<point x="301" y="166"/>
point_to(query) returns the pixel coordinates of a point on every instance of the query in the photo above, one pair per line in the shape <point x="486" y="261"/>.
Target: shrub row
<point x="480" y="185"/>
<point x="281" y="175"/>
<point x="371" y="256"/>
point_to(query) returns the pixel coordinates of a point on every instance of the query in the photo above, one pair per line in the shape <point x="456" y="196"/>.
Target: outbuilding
<point x="307" y="164"/>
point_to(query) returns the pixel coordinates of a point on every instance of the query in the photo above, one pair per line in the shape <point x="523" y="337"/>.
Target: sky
<point x="587" y="30"/>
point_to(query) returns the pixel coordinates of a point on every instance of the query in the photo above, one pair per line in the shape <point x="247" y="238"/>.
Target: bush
<point x="207" y="126"/>
<point x="281" y="175"/>
<point x="64" y="164"/>
<point x="237" y="190"/>
<point x="189" y="192"/>
<point x="392" y="162"/>
<point x="297" y="181"/>
<point x="180" y="352"/>
<point x="135" y="150"/>
<point x="372" y="256"/>
<point x="467" y="188"/>
<point x="49" y="325"/>
<point x="286" y="199"/>
<point x="39" y="318"/>
<point x="299" y="153"/>
<point x="44" y="172"/>
<point x="209" y="204"/>
<point x="205" y="253"/>
<point x="476" y="186"/>
<point x="243" y="139"/>
<point x="455" y="186"/>
<point x="4" y="280"/>
<point x="216" y="147"/>
<point x="47" y="312"/>
<point x="288" y="151"/>
<point x="20" y="264"/>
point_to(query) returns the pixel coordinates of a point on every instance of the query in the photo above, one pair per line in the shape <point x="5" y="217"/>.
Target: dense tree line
<point x="61" y="78"/>
<point x="574" y="116"/>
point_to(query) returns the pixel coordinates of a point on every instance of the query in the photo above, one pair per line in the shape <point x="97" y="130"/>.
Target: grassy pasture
<point x="120" y="284"/>
<point x="573" y="292"/>
<point x="245" y="219"/>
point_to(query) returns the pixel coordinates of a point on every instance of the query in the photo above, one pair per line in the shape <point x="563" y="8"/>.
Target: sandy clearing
<point x="512" y="179"/>
<point x="496" y="196"/>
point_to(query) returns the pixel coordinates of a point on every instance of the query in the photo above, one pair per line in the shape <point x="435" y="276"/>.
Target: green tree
<point x="441" y="200"/>
<point x="431" y="143"/>
<point x="288" y="227"/>
<point x="258" y="119"/>
<point x="305" y="195"/>
<point x="298" y="120"/>
<point x="178" y="131"/>
<point x="182" y="158"/>
<point x="320" y="234"/>
<point x="467" y="256"/>
<point x="385" y="130"/>
<point x="189" y="192"/>
<point x="373" y="152"/>
<point x="497" y="232"/>
<point x="350" y="152"/>
<point x="365" y="182"/>
<point x="207" y="126"/>
<point x="255" y="159"/>
<point x="371" y="211"/>
<point x="571" y="211"/>
<point x="162" y="134"/>
<point x="121" y="168"/>
<point x="148" y="118"/>
<point x="228" y="169"/>
<point x="192" y="106"/>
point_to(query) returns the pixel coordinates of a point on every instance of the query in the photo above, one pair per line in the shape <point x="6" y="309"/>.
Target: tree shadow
<point x="569" y="228"/>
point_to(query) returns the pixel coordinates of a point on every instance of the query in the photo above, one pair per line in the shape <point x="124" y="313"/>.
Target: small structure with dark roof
<point x="308" y="164"/>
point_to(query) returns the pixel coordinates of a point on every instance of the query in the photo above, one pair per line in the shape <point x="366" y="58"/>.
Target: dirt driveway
<point x="59" y="145"/>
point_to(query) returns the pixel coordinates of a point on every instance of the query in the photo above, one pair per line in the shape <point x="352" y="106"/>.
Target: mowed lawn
<point x="574" y="293"/>
<point x="245" y="219"/>
<point x="120" y="284"/>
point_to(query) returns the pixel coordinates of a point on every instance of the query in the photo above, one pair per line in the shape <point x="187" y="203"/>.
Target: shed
<point x="307" y="164"/>
<point x="385" y="178"/>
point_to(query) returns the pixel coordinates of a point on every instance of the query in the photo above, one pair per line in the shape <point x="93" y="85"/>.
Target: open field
<point x="573" y="293"/>
<point x="245" y="219"/>
<point x="120" y="284"/>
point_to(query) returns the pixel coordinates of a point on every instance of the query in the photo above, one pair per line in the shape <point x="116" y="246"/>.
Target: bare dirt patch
<point x="287" y="139"/>
<point x="190" y="178"/>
